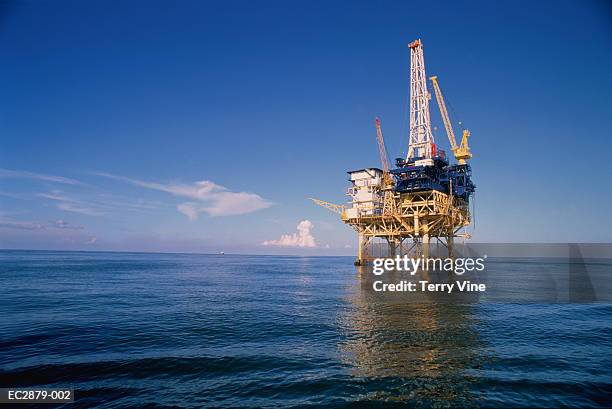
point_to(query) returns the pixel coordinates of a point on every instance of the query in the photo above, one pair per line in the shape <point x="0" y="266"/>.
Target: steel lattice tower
<point x="421" y="138"/>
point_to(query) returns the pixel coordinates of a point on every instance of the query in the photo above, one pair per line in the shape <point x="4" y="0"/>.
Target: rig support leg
<point x="426" y="245"/>
<point x="392" y="248"/>
<point x="450" y="244"/>
<point x="362" y="250"/>
<point x="359" y="260"/>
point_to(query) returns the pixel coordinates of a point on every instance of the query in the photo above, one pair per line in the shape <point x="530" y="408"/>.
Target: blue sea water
<point x="180" y="330"/>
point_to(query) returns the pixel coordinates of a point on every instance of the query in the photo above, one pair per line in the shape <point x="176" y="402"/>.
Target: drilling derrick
<point x="421" y="143"/>
<point x="424" y="197"/>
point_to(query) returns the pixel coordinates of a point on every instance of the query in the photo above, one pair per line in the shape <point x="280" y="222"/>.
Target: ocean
<point x="186" y="330"/>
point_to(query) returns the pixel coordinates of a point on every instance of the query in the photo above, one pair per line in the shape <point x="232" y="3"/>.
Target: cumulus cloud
<point x="21" y="174"/>
<point x="207" y="196"/>
<point x="302" y="238"/>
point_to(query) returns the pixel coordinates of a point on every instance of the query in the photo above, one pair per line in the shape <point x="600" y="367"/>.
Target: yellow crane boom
<point x="389" y="207"/>
<point x="462" y="152"/>
<point x="329" y="206"/>
<point x="384" y="159"/>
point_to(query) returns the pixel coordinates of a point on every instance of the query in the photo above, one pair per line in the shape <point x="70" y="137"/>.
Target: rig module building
<point x="424" y="198"/>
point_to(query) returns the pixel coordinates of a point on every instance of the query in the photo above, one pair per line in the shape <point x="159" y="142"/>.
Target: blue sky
<point x="203" y="126"/>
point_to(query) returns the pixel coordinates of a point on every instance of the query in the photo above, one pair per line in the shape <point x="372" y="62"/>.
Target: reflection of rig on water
<point x="417" y="349"/>
<point x="424" y="197"/>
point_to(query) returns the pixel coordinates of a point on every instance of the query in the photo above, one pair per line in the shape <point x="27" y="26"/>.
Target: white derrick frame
<point x="421" y="137"/>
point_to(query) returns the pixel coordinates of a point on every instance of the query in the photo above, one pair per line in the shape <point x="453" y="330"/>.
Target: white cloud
<point x="29" y="225"/>
<point x="213" y="199"/>
<point x="91" y="240"/>
<point x="56" y="195"/>
<point x="302" y="238"/>
<point x="74" y="208"/>
<point x="21" y="174"/>
<point x="9" y="224"/>
<point x="188" y="209"/>
<point x="70" y="205"/>
<point x="62" y="224"/>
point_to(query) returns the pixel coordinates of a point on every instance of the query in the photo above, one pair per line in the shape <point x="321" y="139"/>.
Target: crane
<point x="462" y="152"/>
<point x="387" y="185"/>
<point x="384" y="160"/>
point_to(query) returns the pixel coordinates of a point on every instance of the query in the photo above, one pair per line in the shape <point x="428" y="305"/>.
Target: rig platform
<point x="424" y="199"/>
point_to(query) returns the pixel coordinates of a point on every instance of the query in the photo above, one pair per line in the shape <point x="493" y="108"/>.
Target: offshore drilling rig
<point x="425" y="198"/>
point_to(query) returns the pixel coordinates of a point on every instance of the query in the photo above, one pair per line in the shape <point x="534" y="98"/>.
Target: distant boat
<point x="221" y="253"/>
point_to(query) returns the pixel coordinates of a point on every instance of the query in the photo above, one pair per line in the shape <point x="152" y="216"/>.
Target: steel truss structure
<point x="417" y="218"/>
